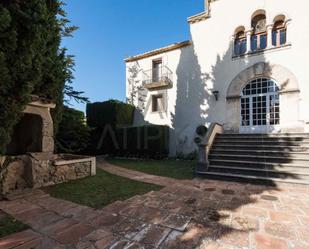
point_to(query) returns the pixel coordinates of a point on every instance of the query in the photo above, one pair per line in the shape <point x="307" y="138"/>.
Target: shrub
<point x="109" y="136"/>
<point x="73" y="134"/>
<point x="112" y="112"/>
<point x="151" y="141"/>
<point x="144" y="141"/>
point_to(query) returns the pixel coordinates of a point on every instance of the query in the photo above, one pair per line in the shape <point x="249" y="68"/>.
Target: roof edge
<point x="203" y="15"/>
<point x="159" y="51"/>
<point x="199" y="17"/>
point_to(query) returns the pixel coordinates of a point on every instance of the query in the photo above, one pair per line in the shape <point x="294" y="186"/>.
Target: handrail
<point x="205" y="145"/>
<point x="154" y="75"/>
<point x="212" y="132"/>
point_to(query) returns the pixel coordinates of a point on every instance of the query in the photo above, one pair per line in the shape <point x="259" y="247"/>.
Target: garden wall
<point x="36" y="170"/>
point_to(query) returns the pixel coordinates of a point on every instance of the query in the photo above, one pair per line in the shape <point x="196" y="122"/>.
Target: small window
<point x="279" y="34"/>
<point x="157" y="103"/>
<point x="240" y="46"/>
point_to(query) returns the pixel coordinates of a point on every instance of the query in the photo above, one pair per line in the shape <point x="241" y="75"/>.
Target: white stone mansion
<point x="244" y="68"/>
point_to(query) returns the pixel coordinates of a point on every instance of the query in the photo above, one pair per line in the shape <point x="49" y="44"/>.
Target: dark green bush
<point x="144" y="141"/>
<point x="73" y="134"/>
<point x="150" y="141"/>
<point x="111" y="112"/>
<point x="109" y="136"/>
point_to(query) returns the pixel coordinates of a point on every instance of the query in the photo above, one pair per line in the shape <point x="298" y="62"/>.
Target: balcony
<point x="156" y="78"/>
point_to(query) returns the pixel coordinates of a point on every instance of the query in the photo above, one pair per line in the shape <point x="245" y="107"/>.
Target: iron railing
<point x="161" y="74"/>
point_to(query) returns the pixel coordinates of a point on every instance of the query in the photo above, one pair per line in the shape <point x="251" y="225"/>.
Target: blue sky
<point x="111" y="30"/>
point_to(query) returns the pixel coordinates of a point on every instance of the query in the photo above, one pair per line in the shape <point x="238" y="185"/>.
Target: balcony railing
<point x="159" y="77"/>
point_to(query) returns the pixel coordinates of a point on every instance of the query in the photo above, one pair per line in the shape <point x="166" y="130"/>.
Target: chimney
<point x="207" y="5"/>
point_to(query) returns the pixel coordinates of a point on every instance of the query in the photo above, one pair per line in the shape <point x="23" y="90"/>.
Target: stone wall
<point x="12" y="171"/>
<point x="37" y="170"/>
<point x="71" y="172"/>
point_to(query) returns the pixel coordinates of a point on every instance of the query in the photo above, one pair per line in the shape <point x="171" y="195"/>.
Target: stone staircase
<point x="269" y="157"/>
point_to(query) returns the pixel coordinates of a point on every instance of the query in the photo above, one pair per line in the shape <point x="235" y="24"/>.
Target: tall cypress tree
<point x="32" y="60"/>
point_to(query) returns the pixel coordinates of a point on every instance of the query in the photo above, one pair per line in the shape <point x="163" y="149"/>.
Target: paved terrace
<point x="185" y="214"/>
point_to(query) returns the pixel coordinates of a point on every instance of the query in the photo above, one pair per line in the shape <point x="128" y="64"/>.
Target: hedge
<point x="110" y="112"/>
<point x="151" y="141"/>
<point x="73" y="134"/>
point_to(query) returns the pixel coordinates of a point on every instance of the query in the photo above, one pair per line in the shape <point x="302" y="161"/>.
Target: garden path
<point x="188" y="214"/>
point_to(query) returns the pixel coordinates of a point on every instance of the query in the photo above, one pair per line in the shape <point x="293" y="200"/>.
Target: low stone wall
<point x="37" y="170"/>
<point x="71" y="167"/>
<point x="12" y="171"/>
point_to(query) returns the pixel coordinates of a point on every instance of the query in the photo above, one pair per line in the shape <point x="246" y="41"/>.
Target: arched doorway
<point x="260" y="106"/>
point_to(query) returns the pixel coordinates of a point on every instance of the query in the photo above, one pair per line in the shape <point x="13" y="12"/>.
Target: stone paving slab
<point x="152" y="235"/>
<point x="176" y="222"/>
<point x="196" y="214"/>
<point x="26" y="239"/>
<point x="72" y="234"/>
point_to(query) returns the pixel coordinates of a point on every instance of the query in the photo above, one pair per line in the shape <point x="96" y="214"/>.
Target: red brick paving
<point x="203" y="214"/>
<point x="25" y="239"/>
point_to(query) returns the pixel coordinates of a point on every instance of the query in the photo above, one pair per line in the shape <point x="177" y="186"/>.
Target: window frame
<point x="155" y="101"/>
<point x="276" y="33"/>
<point x="240" y="43"/>
<point x="260" y="103"/>
<point x="258" y="33"/>
<point x="157" y="61"/>
<point x="259" y="37"/>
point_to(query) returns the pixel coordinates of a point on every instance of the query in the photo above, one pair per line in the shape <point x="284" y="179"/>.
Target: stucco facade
<point x="207" y="77"/>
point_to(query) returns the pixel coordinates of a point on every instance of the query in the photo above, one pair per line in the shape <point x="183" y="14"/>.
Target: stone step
<point x="262" y="147"/>
<point x="275" y="135"/>
<point x="292" y="170"/>
<point x="261" y="172"/>
<point x="250" y="178"/>
<point x="271" y="157"/>
<point x="257" y="164"/>
<point x="251" y="141"/>
<point x="274" y="159"/>
<point x="259" y="152"/>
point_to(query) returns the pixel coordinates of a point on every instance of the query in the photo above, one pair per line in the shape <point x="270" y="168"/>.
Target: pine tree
<point x="32" y="60"/>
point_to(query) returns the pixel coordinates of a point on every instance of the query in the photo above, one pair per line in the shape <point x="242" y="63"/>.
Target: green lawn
<point x="100" y="190"/>
<point x="177" y="169"/>
<point x="9" y="225"/>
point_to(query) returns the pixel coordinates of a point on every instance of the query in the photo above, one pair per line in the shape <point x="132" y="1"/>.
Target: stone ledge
<point x="262" y="51"/>
<point x="77" y="159"/>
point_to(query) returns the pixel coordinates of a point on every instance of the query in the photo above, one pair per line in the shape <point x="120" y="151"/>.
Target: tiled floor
<point x="185" y="214"/>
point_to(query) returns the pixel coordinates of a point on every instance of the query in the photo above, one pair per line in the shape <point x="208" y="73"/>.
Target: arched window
<point x="259" y="36"/>
<point x="279" y="33"/>
<point x="240" y="45"/>
<point x="260" y="103"/>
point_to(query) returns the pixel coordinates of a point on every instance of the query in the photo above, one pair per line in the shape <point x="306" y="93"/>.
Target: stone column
<point x="288" y="25"/>
<point x="269" y="36"/>
<point x="233" y="45"/>
<point x="248" y="34"/>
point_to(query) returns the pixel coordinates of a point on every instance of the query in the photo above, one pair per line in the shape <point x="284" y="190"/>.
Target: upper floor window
<point x="279" y="33"/>
<point x="240" y="46"/>
<point x="156" y="70"/>
<point x="259" y="36"/>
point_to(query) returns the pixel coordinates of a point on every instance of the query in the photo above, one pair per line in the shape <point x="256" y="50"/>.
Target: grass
<point x="100" y="190"/>
<point x="9" y="225"/>
<point x="177" y="169"/>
